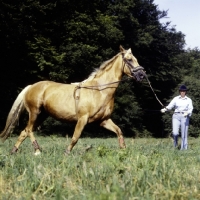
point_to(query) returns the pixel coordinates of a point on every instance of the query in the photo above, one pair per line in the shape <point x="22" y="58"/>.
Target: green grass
<point x="146" y="169"/>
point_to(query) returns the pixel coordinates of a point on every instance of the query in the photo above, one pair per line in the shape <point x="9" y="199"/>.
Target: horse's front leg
<point x="82" y="121"/>
<point x="110" y="125"/>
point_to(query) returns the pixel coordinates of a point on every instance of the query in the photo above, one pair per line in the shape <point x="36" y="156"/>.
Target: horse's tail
<point x="14" y="114"/>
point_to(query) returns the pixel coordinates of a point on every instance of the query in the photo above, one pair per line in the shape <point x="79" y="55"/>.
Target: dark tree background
<point x="65" y="40"/>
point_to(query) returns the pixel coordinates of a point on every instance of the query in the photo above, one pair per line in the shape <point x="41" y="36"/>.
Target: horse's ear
<point x="121" y="48"/>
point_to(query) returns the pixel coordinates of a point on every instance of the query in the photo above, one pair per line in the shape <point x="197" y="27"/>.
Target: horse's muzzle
<point x="139" y="74"/>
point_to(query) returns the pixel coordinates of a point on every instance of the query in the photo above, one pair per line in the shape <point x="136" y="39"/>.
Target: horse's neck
<point x="111" y="73"/>
<point x="107" y="80"/>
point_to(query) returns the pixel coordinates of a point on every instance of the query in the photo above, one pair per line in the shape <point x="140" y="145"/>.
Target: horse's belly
<point x="60" y="105"/>
<point x="62" y="115"/>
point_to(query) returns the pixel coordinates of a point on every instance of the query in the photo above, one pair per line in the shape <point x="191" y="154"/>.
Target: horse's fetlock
<point x="14" y="150"/>
<point x="36" y="145"/>
<point x="121" y="142"/>
<point x="67" y="152"/>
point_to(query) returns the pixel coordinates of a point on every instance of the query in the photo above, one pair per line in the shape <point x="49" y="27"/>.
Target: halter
<point x="136" y="71"/>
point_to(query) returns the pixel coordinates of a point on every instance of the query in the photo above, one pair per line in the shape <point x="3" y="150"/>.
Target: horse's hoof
<point x="14" y="150"/>
<point x="123" y="146"/>
<point x="37" y="152"/>
<point x="88" y="148"/>
<point x="67" y="152"/>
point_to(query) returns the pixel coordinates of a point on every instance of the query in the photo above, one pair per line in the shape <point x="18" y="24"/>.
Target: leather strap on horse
<point x="96" y="87"/>
<point x="77" y="96"/>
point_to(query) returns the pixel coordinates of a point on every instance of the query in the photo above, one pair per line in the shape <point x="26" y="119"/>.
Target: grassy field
<point x="147" y="169"/>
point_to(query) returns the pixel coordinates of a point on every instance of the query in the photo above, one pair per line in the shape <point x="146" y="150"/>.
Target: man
<point x="183" y="110"/>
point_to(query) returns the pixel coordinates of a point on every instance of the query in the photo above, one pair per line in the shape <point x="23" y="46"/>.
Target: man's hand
<point x="185" y="114"/>
<point x="163" y="110"/>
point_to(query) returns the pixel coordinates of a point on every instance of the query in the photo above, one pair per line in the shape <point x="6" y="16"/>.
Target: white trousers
<point x="179" y="121"/>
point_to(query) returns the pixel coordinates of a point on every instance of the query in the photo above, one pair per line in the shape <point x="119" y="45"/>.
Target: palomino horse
<point x="89" y="101"/>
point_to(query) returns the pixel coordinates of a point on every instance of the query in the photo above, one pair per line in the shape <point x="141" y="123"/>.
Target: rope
<point x="154" y="92"/>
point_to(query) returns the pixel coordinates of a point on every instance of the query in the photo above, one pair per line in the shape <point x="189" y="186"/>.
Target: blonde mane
<point x="99" y="70"/>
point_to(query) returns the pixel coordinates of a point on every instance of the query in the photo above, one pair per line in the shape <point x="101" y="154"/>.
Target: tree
<point x="65" y="40"/>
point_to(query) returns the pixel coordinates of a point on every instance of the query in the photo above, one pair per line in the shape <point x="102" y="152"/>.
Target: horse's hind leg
<point x="23" y="135"/>
<point x="109" y="124"/>
<point x="38" y="121"/>
<point x="20" y="139"/>
<point x="82" y="121"/>
<point x="28" y="131"/>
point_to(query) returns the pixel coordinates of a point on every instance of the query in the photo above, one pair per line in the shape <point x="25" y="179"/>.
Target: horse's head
<point x="131" y="66"/>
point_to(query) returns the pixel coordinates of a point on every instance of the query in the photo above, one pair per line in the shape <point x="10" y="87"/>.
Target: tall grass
<point x="146" y="169"/>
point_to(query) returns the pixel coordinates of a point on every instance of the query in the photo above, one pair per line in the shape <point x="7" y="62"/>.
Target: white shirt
<point x="181" y="104"/>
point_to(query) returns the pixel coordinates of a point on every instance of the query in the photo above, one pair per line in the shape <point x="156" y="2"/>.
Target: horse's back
<point x="37" y="90"/>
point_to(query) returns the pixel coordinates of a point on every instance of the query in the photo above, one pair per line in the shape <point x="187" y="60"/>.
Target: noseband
<point x="137" y="72"/>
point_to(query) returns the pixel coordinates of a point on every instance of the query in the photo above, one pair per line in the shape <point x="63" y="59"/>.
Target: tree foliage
<point x="65" y="40"/>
